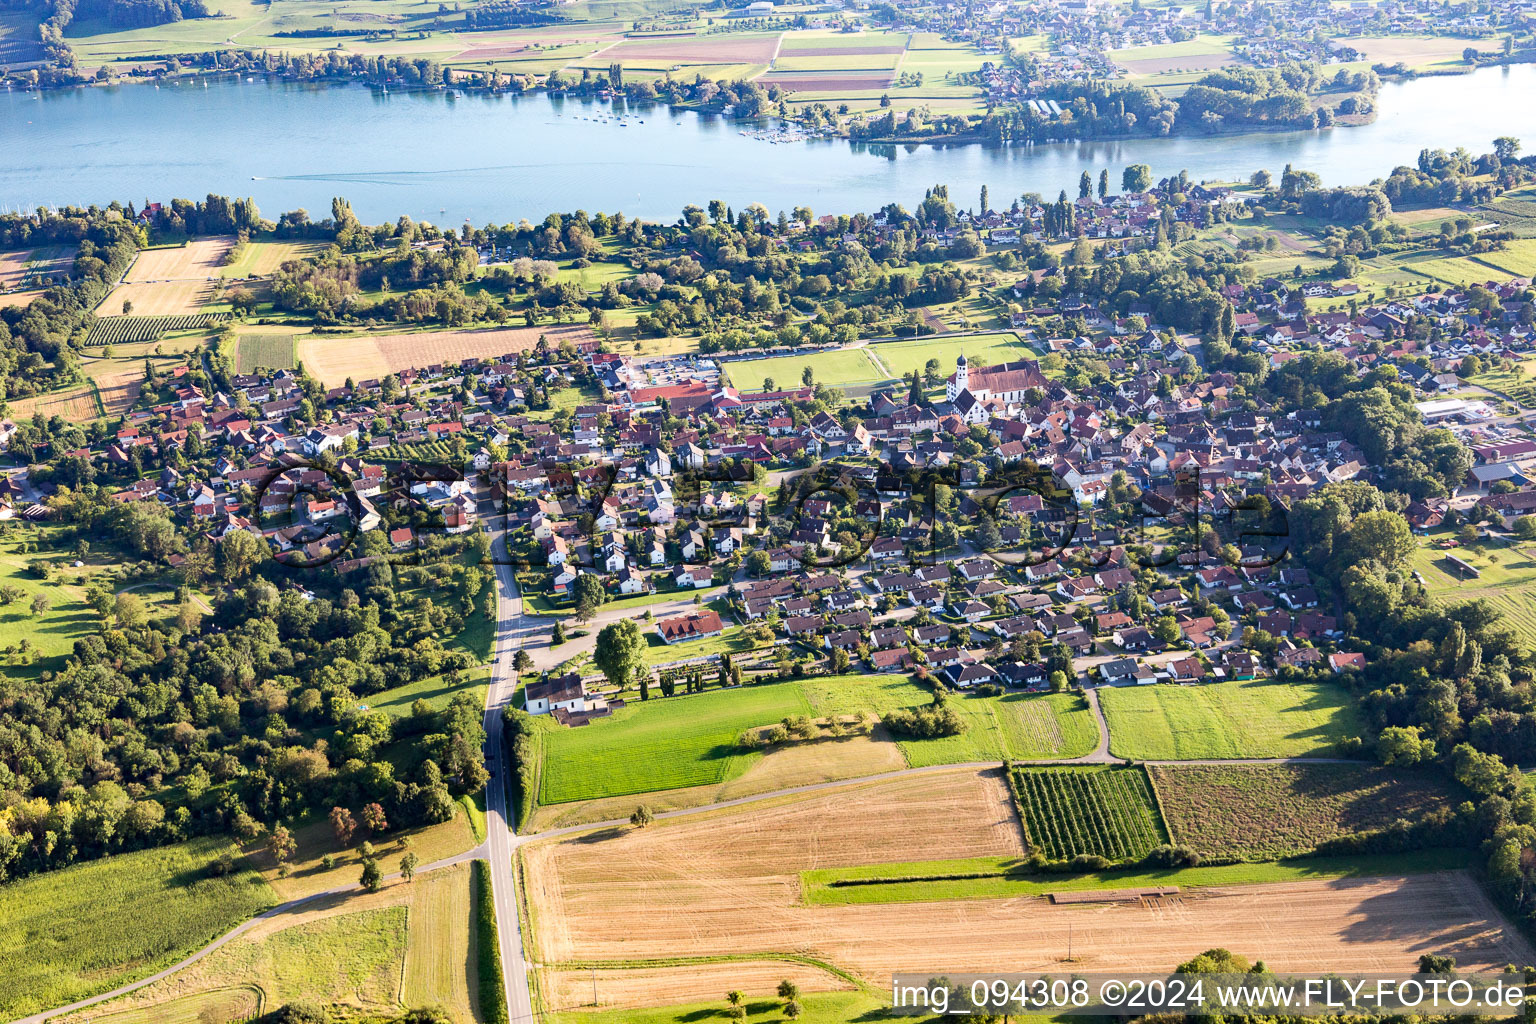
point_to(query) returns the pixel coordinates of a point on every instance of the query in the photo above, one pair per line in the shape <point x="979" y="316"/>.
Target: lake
<point x="484" y="158"/>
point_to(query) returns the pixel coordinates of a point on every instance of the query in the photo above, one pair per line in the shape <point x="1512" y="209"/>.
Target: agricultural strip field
<point x="686" y="882"/>
<point x="118" y="330"/>
<point x="260" y="259"/>
<point x="1509" y="583"/>
<point x="1517" y="383"/>
<point x="831" y="82"/>
<point x="690" y="50"/>
<point x="77" y="404"/>
<point x="273" y="351"/>
<point x="333" y="360"/>
<point x="1266" y="811"/>
<point x="84" y="929"/>
<point x="1224" y="720"/>
<point x="835" y="367"/>
<point x="159" y="299"/>
<point x="1101" y="810"/>
<point x="985" y="878"/>
<point x="198" y="260"/>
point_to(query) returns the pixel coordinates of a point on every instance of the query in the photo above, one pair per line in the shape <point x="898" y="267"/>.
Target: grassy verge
<point x="994" y="877"/>
<point x="474" y="810"/>
<point x="493" y="1000"/>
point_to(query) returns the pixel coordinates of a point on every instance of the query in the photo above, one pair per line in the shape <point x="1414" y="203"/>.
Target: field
<point x="730" y="883"/>
<point x="362" y="357"/>
<point x="1280" y="810"/>
<point x="1508" y="583"/>
<point x="18" y="298"/>
<point x="198" y="260"/>
<point x="307" y="873"/>
<point x="1220" y="720"/>
<point x="77" y="404"/>
<point x="1518" y="258"/>
<point x="826" y="83"/>
<point x="260" y="259"/>
<point x="118" y="330"/>
<point x="274" y="351"/>
<point x="435" y="690"/>
<point x="157" y="299"/>
<point x="87" y="928"/>
<point x="901" y="358"/>
<point x="661" y="744"/>
<point x="1045" y="726"/>
<point x="406" y="945"/>
<point x="1099" y="810"/>
<point x="982" y="878"/>
<point x="1202" y="54"/>
<point x="1418" y="52"/>
<point x="835" y="367"/>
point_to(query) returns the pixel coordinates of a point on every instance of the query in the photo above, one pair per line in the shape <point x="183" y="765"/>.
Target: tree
<point x="343" y="825"/>
<point x="372" y="878"/>
<point x="642" y="817"/>
<point x="1261" y="179"/>
<point x="523" y="661"/>
<point x="1471" y="366"/>
<point x="281" y="845"/>
<point x="1136" y="178"/>
<point x="1525" y="527"/>
<point x="734" y="997"/>
<point x="129" y="611"/>
<point x="1165" y="629"/>
<point x="620" y="652"/>
<point x="1103" y="183"/>
<point x="40" y="604"/>
<point x="792" y="1009"/>
<point x="788" y="990"/>
<point x="1506" y="147"/>
<point x="240" y="552"/>
<point x="557" y="635"/>
<point x="1403" y="745"/>
<point x="408" y="865"/>
<point x="374" y="819"/>
<point x="589" y="594"/>
<point x="807" y="376"/>
<point x="1085" y="185"/>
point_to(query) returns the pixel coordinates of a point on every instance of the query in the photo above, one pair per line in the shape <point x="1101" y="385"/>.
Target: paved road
<point x="501" y="838"/>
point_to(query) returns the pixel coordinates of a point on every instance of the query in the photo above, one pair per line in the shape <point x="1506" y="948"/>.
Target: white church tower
<point x="960" y="381"/>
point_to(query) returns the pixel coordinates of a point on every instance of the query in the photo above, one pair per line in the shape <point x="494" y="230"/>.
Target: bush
<point x="1090" y="862"/>
<point x="1172" y="856"/>
<point x="927" y="722"/>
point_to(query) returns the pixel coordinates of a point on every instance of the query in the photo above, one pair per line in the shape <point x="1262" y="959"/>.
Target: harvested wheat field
<point x="729" y="883"/>
<point x="757" y="49"/>
<point x="77" y="404"/>
<point x="120" y="390"/>
<point x="695" y="983"/>
<point x="19" y="298"/>
<point x="198" y="260"/>
<point x="167" y="298"/>
<point x="333" y="360"/>
<point x="13" y="267"/>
